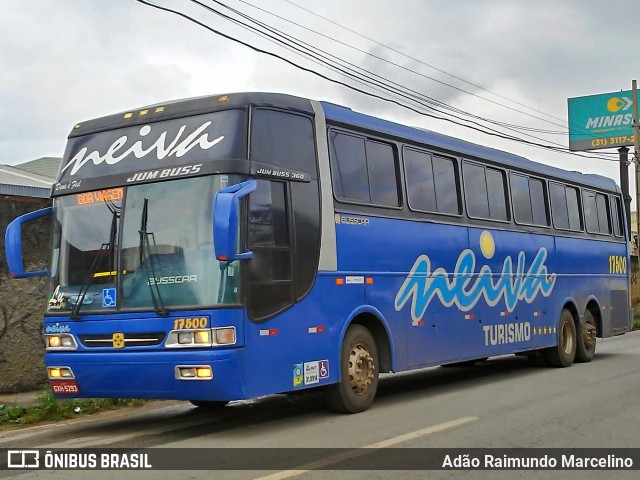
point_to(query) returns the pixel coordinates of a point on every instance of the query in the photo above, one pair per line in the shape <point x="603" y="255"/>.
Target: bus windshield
<point x="143" y="247"/>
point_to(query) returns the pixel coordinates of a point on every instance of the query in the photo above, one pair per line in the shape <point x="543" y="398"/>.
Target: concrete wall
<point x="23" y="301"/>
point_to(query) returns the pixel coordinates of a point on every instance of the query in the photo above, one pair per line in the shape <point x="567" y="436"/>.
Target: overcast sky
<point x="64" y="61"/>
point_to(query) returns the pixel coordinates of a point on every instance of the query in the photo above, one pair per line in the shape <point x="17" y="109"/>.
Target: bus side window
<point x="565" y="208"/>
<point x="478" y="182"/>
<point x="539" y="207"/>
<point x="364" y="170"/>
<point x="521" y="199"/>
<point x="431" y="183"/>
<point x="603" y="213"/>
<point x="350" y="167"/>
<point x="596" y="212"/>
<point x="529" y="200"/>
<point x="616" y="216"/>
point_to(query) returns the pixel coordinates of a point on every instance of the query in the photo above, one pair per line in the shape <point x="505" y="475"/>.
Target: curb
<point x="23" y="398"/>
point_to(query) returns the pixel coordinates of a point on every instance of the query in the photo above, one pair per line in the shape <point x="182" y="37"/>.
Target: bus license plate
<point x="65" y="387"/>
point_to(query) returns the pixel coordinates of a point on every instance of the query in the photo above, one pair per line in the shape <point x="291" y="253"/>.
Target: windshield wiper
<point x="105" y="247"/>
<point x="147" y="260"/>
<point x="75" y="311"/>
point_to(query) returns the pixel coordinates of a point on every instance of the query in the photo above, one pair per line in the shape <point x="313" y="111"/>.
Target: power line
<point x="395" y="88"/>
<point x="430" y="66"/>
<point x="351" y="87"/>
<point x="402" y="67"/>
<point x="519" y="127"/>
<point x="412" y="93"/>
<point x="505" y="125"/>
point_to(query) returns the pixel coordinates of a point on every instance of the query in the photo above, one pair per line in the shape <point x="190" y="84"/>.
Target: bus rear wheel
<point x="359" y="369"/>
<point x="586" y="347"/>
<point x="564" y="353"/>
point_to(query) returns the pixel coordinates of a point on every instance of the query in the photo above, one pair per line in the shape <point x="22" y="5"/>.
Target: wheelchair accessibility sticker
<point x="324" y="369"/>
<point x="108" y="297"/>
<point x="310" y="373"/>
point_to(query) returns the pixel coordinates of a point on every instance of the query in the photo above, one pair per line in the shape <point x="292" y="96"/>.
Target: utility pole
<point x="636" y="155"/>
<point x="623" y="153"/>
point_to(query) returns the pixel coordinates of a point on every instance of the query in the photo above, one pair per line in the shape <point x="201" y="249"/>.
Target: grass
<point x="636" y="322"/>
<point x="50" y="408"/>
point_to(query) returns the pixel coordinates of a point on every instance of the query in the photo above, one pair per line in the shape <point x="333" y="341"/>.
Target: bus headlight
<point x="189" y="338"/>
<point x="195" y="372"/>
<point x="205" y="337"/>
<point x="225" y="336"/>
<point x="61" y="341"/>
<point x="59" y="373"/>
<point x="185" y="338"/>
<point x="202" y="337"/>
<point x="197" y="337"/>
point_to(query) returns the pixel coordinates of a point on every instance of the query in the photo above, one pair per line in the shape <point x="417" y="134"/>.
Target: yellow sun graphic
<point x="487" y="245"/>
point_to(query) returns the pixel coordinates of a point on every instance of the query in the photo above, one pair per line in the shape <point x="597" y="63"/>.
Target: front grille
<point x="130" y="340"/>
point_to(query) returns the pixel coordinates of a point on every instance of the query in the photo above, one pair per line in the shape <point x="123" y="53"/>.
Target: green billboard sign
<point x="601" y="121"/>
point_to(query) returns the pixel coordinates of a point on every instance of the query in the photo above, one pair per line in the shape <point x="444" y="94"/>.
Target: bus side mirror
<point x="13" y="245"/>
<point x="226" y="208"/>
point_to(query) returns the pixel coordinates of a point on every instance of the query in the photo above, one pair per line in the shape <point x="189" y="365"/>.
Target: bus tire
<point x="209" y="404"/>
<point x="563" y="354"/>
<point x="359" y="367"/>
<point x="586" y="344"/>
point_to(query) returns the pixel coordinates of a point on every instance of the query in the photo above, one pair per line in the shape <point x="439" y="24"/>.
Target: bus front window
<point x="167" y="246"/>
<point x="86" y="228"/>
<point x="165" y="260"/>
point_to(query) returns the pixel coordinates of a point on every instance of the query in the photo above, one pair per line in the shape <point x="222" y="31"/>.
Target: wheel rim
<point x="588" y="335"/>
<point x="361" y="369"/>
<point x="567" y="338"/>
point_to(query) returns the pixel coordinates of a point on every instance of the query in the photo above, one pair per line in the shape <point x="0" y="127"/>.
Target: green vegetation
<point x="50" y="408"/>
<point x="636" y="322"/>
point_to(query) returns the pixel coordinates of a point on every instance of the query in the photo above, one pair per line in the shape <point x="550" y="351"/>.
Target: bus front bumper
<point x="179" y="375"/>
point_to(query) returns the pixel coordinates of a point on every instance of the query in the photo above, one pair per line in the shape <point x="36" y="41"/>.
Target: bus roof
<point x="188" y="107"/>
<point x="340" y="115"/>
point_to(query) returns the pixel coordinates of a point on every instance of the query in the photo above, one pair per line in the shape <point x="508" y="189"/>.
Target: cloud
<point x="65" y="61"/>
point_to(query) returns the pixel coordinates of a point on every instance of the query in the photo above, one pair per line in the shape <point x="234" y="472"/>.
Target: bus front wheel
<point x="563" y="354"/>
<point x="586" y="347"/>
<point x="358" y="372"/>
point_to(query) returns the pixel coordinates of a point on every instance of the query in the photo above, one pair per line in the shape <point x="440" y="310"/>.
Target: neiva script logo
<point x="163" y="147"/>
<point x="464" y="287"/>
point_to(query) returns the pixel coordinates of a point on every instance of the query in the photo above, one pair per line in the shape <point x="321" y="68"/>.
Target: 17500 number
<point x="189" y="323"/>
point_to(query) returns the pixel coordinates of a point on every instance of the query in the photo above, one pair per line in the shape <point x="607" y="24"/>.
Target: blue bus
<point x="227" y="247"/>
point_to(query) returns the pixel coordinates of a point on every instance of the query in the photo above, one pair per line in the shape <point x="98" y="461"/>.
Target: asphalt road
<point x="502" y="403"/>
